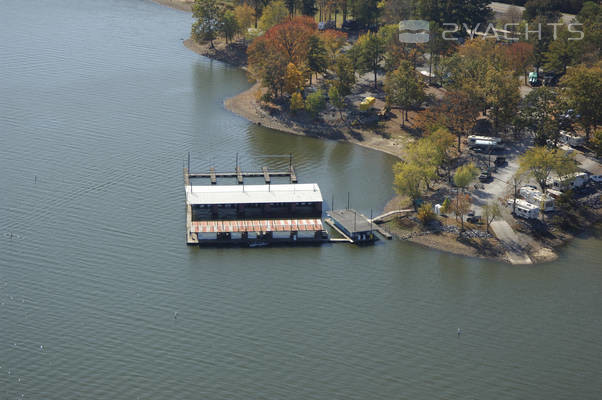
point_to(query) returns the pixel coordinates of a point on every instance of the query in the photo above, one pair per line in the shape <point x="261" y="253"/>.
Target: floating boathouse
<point x="257" y="214"/>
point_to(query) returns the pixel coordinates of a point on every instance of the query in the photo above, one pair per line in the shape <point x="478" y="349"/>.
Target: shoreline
<point x="182" y="5"/>
<point x="245" y="105"/>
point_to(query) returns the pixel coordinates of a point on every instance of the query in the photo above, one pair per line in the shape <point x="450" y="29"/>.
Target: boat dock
<point x="355" y="227"/>
<point x="265" y="173"/>
<point x="227" y="211"/>
<point x="253" y="214"/>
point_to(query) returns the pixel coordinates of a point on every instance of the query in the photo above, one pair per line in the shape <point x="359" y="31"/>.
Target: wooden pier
<point x="239" y="174"/>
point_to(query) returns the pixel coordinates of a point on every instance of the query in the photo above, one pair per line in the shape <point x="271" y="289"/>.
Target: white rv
<point x="524" y="209"/>
<point x="571" y="181"/>
<point x="537" y="198"/>
<point x="484" y="141"/>
<point x="570" y="139"/>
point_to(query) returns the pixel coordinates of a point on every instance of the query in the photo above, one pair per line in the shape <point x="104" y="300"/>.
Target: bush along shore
<point x="355" y="81"/>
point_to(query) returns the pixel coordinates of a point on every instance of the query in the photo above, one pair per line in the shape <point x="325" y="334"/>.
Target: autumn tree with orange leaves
<point x="284" y="44"/>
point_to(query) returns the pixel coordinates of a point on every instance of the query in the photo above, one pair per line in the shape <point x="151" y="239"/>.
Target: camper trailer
<point x="524" y="209"/>
<point x="484" y="142"/>
<point x="571" y="181"/>
<point x="570" y="139"/>
<point x="537" y="198"/>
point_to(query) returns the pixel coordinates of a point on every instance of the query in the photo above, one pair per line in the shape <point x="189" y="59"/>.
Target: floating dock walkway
<point x="265" y="173"/>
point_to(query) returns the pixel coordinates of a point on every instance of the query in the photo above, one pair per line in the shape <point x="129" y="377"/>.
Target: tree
<point x="297" y="102"/>
<point x="590" y="16"/>
<point x="542" y="41"/>
<point x="293" y="79"/>
<point x="515" y="182"/>
<point x="463" y="13"/>
<point x="503" y="95"/>
<point x="371" y="52"/>
<point x="548" y="9"/>
<point x="244" y="16"/>
<point x="404" y="89"/>
<point x="596" y="142"/>
<point x="290" y="6"/>
<point x="267" y="64"/>
<point x="308" y="7"/>
<point x="539" y="111"/>
<point x="408" y="181"/>
<point x="425" y="155"/>
<point x="228" y="25"/>
<point x="207" y="25"/>
<point x="258" y="7"/>
<point x="317" y="59"/>
<point x="270" y="54"/>
<point x="519" y="57"/>
<point x="336" y="99"/>
<point x="426" y="213"/>
<point x="458" y="112"/>
<point x="465" y="174"/>
<point x="333" y="42"/>
<point x="561" y="52"/>
<point x="540" y="162"/>
<point x="344" y="75"/>
<point x="442" y="141"/>
<point x="315" y="102"/>
<point x="461" y="207"/>
<point x="273" y="14"/>
<point x="365" y="11"/>
<point x="583" y="92"/>
<point x="491" y="211"/>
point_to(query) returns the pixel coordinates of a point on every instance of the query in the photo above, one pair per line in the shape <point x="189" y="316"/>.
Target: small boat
<point x="258" y="244"/>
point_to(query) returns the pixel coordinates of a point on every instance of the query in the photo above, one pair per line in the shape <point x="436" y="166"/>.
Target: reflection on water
<point x="99" y="105"/>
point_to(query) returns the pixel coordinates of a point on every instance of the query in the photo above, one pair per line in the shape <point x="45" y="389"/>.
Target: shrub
<point x="446" y="206"/>
<point x="426" y="213"/>
<point x="296" y="102"/>
<point x="315" y="103"/>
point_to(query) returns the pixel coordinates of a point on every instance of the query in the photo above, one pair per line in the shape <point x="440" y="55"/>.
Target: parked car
<point x="500" y="161"/>
<point x="485" y="176"/>
<point x="534" y="79"/>
<point x="322" y="26"/>
<point x="471" y="217"/>
<point x="350" y="25"/>
<point x="551" y="79"/>
<point x="596" y="178"/>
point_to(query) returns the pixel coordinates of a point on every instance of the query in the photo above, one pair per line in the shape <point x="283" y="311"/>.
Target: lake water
<point x="99" y="104"/>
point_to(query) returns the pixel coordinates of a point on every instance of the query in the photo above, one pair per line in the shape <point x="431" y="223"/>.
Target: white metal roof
<point x="526" y="204"/>
<point x="251" y="194"/>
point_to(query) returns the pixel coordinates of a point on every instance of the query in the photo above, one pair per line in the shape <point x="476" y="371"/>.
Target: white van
<point x="571" y="181"/>
<point x="524" y="209"/>
<point x="537" y="198"/>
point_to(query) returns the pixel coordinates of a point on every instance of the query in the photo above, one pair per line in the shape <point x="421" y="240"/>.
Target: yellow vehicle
<point x="367" y="103"/>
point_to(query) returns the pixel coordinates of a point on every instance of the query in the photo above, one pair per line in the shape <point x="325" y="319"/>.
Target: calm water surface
<point x="99" y="103"/>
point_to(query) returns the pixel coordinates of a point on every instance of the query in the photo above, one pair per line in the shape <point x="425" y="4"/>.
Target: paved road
<point x="496" y="189"/>
<point x="503" y="8"/>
